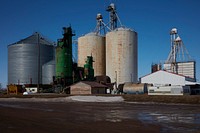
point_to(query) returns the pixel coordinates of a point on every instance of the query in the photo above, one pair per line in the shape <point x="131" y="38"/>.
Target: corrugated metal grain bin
<point x="26" y="57"/>
<point x="48" y="71"/>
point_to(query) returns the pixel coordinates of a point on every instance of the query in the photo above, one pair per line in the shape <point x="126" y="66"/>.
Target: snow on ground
<point x="68" y="99"/>
<point x="96" y="99"/>
<point x="59" y="99"/>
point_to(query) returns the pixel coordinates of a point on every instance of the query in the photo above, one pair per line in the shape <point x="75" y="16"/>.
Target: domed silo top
<point x="34" y="39"/>
<point x="93" y="34"/>
<point x="124" y="29"/>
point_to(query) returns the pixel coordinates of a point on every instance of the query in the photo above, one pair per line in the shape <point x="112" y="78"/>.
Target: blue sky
<point x="152" y="19"/>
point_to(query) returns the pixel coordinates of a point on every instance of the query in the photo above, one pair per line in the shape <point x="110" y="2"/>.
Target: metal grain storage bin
<point x="48" y="71"/>
<point x="24" y="59"/>
<point x="122" y="56"/>
<point x="92" y="44"/>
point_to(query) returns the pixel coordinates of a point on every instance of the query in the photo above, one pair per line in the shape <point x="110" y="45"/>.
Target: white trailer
<point x="169" y="90"/>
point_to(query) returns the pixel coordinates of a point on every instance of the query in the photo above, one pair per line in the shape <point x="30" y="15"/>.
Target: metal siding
<point x="130" y="88"/>
<point x="23" y="62"/>
<point x="168" y="90"/>
<point x="63" y="63"/>
<point x="94" y="45"/>
<point x="162" y="78"/>
<point x="48" y="71"/>
<point x="121" y="56"/>
<point x="187" y="69"/>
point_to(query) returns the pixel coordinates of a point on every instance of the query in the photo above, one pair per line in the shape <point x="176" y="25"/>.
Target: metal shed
<point x="87" y="87"/>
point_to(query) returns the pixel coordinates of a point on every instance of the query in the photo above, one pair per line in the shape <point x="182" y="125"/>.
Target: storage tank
<point x="92" y="44"/>
<point x="130" y="88"/>
<point x="122" y="56"/>
<point x="26" y="57"/>
<point x="48" y="72"/>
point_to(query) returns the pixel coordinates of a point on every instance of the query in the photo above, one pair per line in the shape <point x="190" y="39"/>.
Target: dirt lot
<point x="104" y="117"/>
<point x="66" y="118"/>
<point x="187" y="99"/>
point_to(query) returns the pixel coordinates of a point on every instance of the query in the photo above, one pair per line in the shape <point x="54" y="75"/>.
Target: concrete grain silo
<point x="92" y="44"/>
<point x="121" y="55"/>
<point x="26" y="57"/>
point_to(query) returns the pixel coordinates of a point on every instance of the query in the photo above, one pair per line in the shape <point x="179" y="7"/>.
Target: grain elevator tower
<point x="93" y="44"/>
<point x="121" y="51"/>
<point x="179" y="61"/>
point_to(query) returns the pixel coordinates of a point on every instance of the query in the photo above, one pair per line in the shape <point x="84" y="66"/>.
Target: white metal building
<point x="163" y="78"/>
<point x="169" y="90"/>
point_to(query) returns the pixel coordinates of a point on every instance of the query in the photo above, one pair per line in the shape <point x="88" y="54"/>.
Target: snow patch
<point x="96" y="98"/>
<point x="68" y="99"/>
<point x="59" y="99"/>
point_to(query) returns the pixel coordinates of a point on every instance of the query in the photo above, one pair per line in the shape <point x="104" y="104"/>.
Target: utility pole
<point x="38" y="41"/>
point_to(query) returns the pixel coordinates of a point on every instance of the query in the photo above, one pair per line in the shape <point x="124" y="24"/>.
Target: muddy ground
<point x="186" y="99"/>
<point x="105" y="117"/>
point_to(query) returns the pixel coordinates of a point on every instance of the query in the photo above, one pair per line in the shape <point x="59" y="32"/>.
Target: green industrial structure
<point x="67" y="71"/>
<point x="88" y="69"/>
<point x="64" y="63"/>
